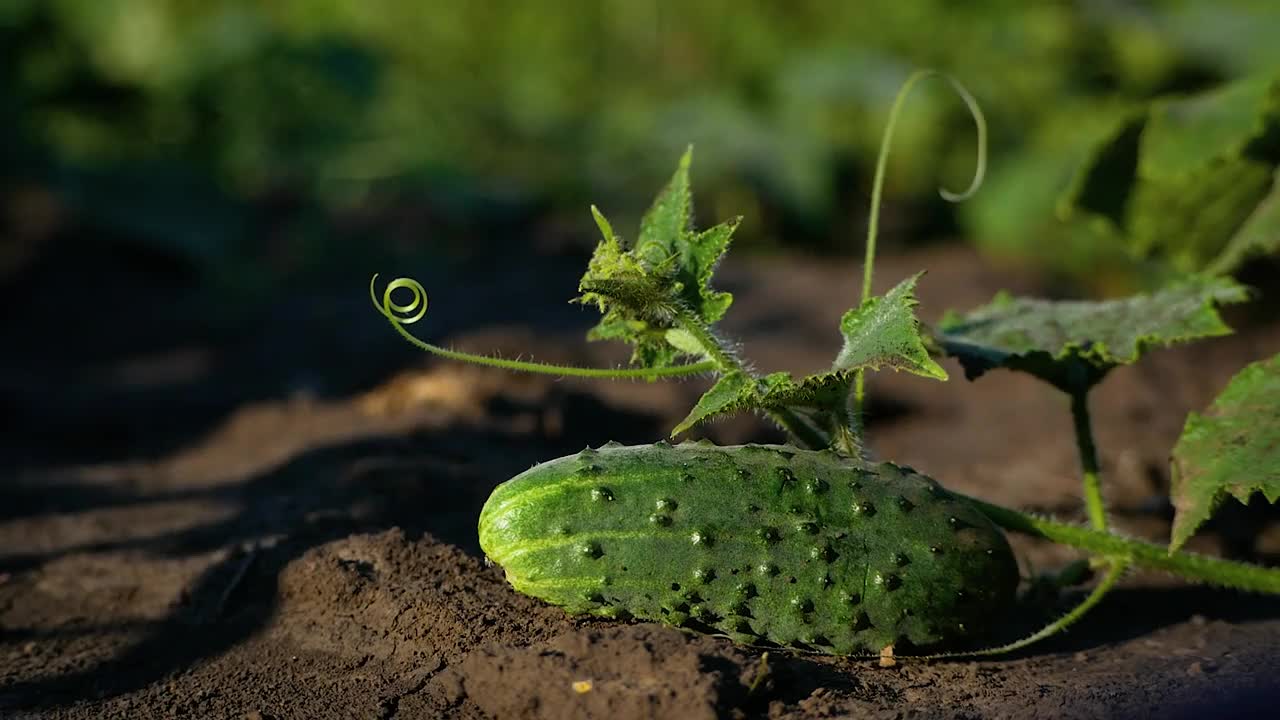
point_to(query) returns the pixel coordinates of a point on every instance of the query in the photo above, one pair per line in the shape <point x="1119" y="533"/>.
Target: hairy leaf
<point x="815" y="392"/>
<point x="816" y="398"/>
<point x="1072" y="344"/>
<point x="732" y="392"/>
<point x="884" y="332"/>
<point x="1232" y="449"/>
<point x="641" y="290"/>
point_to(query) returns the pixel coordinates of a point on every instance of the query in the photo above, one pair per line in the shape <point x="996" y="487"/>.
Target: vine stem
<point x="1191" y="566"/>
<point x="725" y="362"/>
<point x="1096" y="509"/>
<point x="400" y="315"/>
<point x="877" y="185"/>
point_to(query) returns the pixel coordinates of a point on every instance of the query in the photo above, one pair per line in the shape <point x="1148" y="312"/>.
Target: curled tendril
<point x="394" y="311"/>
<point x="411" y="312"/>
<point x="882" y="163"/>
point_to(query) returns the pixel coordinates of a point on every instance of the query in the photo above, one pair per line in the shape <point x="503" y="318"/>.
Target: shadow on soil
<point x="420" y="482"/>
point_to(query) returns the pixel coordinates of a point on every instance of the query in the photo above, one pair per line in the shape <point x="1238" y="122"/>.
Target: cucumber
<point x="767" y="544"/>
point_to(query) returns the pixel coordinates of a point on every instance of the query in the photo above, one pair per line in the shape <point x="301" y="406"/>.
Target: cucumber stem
<point x="1094" y="505"/>
<point x="1191" y="566"/>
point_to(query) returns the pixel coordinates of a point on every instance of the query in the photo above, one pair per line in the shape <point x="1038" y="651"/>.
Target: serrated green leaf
<point x="884" y="332"/>
<point x="642" y="290"/>
<point x="1072" y="344"/>
<point x="700" y="253"/>
<point x="823" y="390"/>
<point x="813" y="397"/>
<point x="732" y="392"/>
<point x="664" y="224"/>
<point x="1233" y="449"/>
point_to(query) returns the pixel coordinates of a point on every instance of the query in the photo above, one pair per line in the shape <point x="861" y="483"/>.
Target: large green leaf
<point x="641" y="289"/>
<point x="1073" y="344"/>
<point x="884" y="332"/>
<point x="1233" y="449"/>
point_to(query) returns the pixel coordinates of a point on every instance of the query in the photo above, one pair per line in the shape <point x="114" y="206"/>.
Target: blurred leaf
<point x="1072" y="344"/>
<point x="1184" y="134"/>
<point x="884" y="332"/>
<point x="1232" y="449"/>
<point x="1187" y="220"/>
<point x="1259" y="235"/>
<point x="1180" y="177"/>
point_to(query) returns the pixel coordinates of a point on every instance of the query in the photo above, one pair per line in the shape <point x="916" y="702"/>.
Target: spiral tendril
<point x="389" y="306"/>
<point x="415" y="309"/>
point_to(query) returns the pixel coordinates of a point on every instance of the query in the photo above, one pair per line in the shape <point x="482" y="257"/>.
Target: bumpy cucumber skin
<point x="765" y="543"/>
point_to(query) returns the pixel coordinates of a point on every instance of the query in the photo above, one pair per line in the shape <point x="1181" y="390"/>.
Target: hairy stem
<point x="400" y="315"/>
<point x="715" y="350"/>
<point x="877" y="185"/>
<point x="725" y="362"/>
<point x="1096" y="509"/>
<point x="1197" y="568"/>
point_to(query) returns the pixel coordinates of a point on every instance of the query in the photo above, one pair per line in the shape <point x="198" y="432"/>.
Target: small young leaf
<point x="1072" y="344"/>
<point x="641" y="290"/>
<point x="684" y="341"/>
<point x="1232" y="449"/>
<point x="884" y="332"/>
<point x="666" y="221"/>
<point x="731" y="393"/>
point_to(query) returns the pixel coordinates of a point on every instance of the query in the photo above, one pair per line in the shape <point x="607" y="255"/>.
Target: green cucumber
<point x="764" y="543"/>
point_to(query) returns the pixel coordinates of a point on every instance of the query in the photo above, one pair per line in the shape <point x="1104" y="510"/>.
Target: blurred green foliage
<point x="1187" y="181"/>
<point x="166" y="118"/>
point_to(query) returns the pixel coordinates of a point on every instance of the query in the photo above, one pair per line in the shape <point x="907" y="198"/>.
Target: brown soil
<point x="315" y="556"/>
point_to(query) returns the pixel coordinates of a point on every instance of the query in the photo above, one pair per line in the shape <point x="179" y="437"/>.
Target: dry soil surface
<point x="314" y="555"/>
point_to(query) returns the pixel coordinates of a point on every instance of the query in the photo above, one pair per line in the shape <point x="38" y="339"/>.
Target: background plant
<point x="168" y="124"/>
